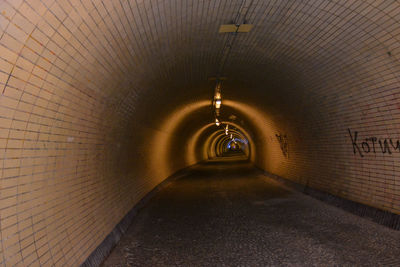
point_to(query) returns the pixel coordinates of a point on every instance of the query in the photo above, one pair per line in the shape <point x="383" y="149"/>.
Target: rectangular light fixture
<point x="226" y="28"/>
<point x="218" y="103"/>
<point x="245" y="28"/>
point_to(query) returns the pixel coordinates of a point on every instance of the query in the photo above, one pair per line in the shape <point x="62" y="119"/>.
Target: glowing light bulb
<point x="218" y="103"/>
<point x="217" y="122"/>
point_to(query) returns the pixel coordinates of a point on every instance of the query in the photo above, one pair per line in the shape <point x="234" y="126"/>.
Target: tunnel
<point x="105" y="103"/>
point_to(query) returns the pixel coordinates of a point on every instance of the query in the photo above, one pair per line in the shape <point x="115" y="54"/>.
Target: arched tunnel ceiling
<point x="102" y="100"/>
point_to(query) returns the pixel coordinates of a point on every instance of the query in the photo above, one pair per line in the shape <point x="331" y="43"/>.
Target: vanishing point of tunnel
<point x="199" y="133"/>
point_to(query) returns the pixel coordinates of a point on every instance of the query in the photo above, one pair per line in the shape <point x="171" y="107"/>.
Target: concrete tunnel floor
<point x="227" y="213"/>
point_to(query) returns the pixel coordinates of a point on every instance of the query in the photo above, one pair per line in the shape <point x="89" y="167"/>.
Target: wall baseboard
<point x="379" y="216"/>
<point x="97" y="257"/>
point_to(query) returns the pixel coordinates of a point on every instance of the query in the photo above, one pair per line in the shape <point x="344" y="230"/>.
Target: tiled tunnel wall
<point x="100" y="99"/>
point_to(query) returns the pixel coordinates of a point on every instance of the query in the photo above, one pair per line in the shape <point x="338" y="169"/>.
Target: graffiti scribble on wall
<point x="373" y="144"/>
<point x="282" y="139"/>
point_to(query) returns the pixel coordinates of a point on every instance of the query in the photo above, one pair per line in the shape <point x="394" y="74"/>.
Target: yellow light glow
<point x="265" y="128"/>
<point x="190" y="152"/>
<point x="218" y="103"/>
<point x="210" y="142"/>
<point x="160" y="165"/>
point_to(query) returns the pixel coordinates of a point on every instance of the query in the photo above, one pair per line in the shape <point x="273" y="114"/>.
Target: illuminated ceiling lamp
<point x="217" y="98"/>
<point x="218" y="103"/>
<point x="234" y="29"/>
<point x="226" y="130"/>
<point x="217" y="122"/>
